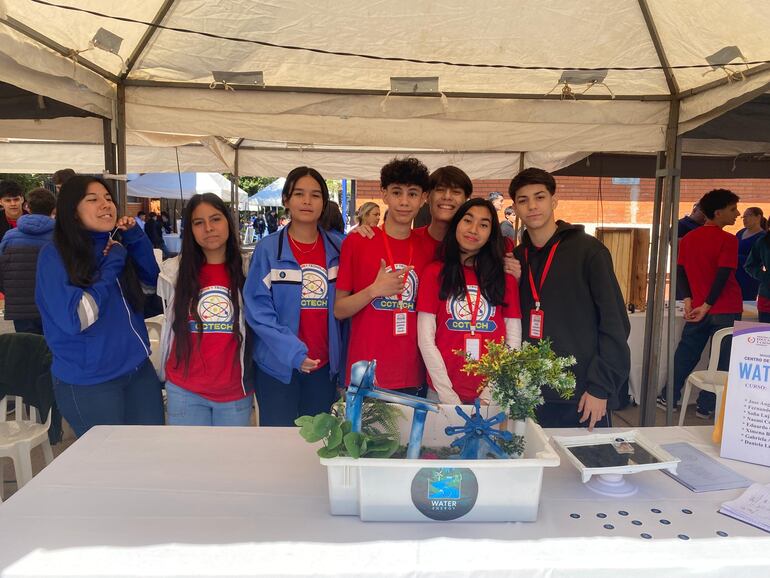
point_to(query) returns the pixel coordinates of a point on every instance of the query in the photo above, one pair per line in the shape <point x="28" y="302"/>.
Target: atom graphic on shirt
<point x="214" y="305"/>
<point x="314" y="285"/>
<point x="460" y="310"/>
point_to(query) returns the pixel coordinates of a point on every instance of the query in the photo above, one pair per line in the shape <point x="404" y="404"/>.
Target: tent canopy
<point x="167" y="186"/>
<point x="270" y="195"/>
<point x="483" y="81"/>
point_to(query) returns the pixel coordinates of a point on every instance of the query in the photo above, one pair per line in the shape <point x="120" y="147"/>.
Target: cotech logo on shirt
<point x="315" y="287"/>
<point x="444" y="493"/>
<point x="409" y="295"/>
<point x="215" y="309"/>
<point x="460" y="313"/>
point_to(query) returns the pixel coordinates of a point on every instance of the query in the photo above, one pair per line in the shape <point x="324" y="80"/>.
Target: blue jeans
<point x="695" y="336"/>
<point x="131" y="399"/>
<point x="188" y="408"/>
<point x="281" y="403"/>
<point x="764" y="317"/>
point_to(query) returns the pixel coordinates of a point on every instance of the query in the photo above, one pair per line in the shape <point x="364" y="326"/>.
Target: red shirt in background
<point x="453" y="319"/>
<point x="314" y="306"/>
<point x="215" y="367"/>
<point x="11" y="222"/>
<point x="399" y="364"/>
<point x="703" y="251"/>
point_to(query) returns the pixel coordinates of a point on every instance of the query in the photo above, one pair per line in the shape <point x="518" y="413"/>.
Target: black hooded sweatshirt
<point x="584" y="313"/>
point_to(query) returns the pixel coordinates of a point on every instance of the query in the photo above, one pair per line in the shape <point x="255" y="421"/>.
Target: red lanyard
<point x="392" y="264"/>
<point x="536" y="291"/>
<point x="474" y="310"/>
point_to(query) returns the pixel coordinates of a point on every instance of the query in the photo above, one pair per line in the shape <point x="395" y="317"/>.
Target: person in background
<point x="708" y="257"/>
<point x="205" y="359"/>
<point x="507" y="226"/>
<point x="165" y="223"/>
<point x="758" y="266"/>
<point x="696" y="218"/>
<point x="379" y="278"/>
<point x="19" y="251"/>
<point x="569" y="293"/>
<point x="90" y="292"/>
<point x="368" y="214"/>
<point x="60" y="177"/>
<point x="12" y="203"/>
<point x="141" y="219"/>
<point x="289" y="300"/>
<point x="464" y="300"/>
<point x="497" y="201"/>
<point x="754" y="228"/>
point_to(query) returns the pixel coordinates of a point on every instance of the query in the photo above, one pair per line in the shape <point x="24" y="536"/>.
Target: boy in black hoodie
<point x="569" y="293"/>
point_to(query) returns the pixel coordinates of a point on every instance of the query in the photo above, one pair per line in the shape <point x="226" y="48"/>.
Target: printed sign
<point x="746" y="431"/>
<point x="444" y="493"/>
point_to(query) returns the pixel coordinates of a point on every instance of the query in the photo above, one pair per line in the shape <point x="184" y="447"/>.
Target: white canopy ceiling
<point x="327" y="68"/>
<point x="182" y="185"/>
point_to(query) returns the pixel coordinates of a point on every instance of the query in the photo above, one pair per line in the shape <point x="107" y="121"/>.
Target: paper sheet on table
<point x="702" y="473"/>
<point x="752" y="507"/>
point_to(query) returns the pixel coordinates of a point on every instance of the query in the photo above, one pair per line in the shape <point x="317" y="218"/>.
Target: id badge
<point x="400" y="326"/>
<point x="536" y="324"/>
<point x="472" y="347"/>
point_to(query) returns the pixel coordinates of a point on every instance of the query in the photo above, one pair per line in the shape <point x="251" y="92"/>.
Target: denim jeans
<point x="188" y="408"/>
<point x="695" y="336"/>
<point x="281" y="403"/>
<point x="764" y="317"/>
<point x="131" y="399"/>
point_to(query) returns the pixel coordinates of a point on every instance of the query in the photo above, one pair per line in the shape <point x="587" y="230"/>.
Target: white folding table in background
<point x="188" y="501"/>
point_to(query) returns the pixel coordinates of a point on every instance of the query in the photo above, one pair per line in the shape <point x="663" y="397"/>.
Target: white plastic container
<point x="401" y="490"/>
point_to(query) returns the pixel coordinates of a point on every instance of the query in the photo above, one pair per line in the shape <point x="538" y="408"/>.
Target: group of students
<point x="289" y="325"/>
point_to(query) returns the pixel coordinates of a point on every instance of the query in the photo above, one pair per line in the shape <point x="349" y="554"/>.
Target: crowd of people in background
<point x="287" y="322"/>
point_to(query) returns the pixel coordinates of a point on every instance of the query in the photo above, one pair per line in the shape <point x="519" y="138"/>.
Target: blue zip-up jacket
<point x="30" y="231"/>
<point x="94" y="334"/>
<point x="272" y="296"/>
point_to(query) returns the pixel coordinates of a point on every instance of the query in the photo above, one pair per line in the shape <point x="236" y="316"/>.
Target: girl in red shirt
<point x="464" y="300"/>
<point x="204" y="336"/>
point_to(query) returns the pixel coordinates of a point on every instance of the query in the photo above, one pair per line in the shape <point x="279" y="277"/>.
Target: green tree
<point x="253" y="184"/>
<point x="28" y="182"/>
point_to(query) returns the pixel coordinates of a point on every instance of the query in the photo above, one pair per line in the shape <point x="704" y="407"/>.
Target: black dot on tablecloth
<point x="665" y="522"/>
<point x="609" y="527"/>
<point x="601" y="515"/>
<point x="721" y="533"/>
<point x="655" y="511"/>
<point x="686" y="511"/>
<point x="683" y="537"/>
<point x="576" y="516"/>
<point x="645" y="536"/>
<point x="623" y="513"/>
<point x="636" y="522"/>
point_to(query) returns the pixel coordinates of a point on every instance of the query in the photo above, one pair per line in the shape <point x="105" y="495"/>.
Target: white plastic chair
<point x="709" y="379"/>
<point x="19" y="437"/>
<point x="154" y="332"/>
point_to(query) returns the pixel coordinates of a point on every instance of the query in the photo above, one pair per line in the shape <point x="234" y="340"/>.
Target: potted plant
<point x="516" y="377"/>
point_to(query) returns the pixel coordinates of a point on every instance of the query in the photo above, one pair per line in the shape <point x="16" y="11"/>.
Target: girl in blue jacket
<point x="289" y="301"/>
<point x="90" y="292"/>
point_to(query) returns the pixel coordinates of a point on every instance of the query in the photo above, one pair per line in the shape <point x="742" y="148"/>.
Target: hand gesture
<point x="697" y="314"/>
<point x="388" y="282"/>
<point x="364" y="231"/>
<point x="592" y="408"/>
<point x="125" y="223"/>
<point x="512" y="265"/>
<point x="309" y="365"/>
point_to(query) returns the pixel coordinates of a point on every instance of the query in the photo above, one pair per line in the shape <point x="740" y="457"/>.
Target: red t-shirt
<point x="702" y="252"/>
<point x="215" y="366"/>
<point x="431" y="245"/>
<point x="11" y="222"/>
<point x="453" y="319"/>
<point x="763" y="304"/>
<point x="314" y="305"/>
<point x="372" y="331"/>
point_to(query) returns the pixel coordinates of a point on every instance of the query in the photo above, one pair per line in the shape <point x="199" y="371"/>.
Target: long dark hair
<point x="488" y="264"/>
<point x="76" y="247"/>
<point x="188" y="285"/>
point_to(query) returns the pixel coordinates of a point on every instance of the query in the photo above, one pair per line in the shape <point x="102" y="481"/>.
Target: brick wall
<point x="620" y="204"/>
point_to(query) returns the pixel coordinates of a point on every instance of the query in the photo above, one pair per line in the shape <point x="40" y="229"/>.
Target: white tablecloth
<point x="141" y="501"/>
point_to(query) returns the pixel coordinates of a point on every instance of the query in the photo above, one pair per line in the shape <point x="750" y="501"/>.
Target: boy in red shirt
<point x="378" y="281"/>
<point x="708" y="258"/>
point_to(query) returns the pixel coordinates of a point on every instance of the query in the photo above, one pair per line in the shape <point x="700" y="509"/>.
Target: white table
<point x="173" y="242"/>
<point x="252" y="501"/>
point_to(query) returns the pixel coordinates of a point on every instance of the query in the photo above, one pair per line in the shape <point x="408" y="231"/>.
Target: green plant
<point x="378" y="437"/>
<point x="516" y="377"/>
